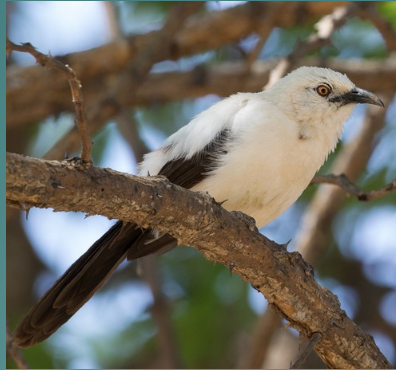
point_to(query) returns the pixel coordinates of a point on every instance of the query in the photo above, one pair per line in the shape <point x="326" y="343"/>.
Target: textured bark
<point x="284" y="278"/>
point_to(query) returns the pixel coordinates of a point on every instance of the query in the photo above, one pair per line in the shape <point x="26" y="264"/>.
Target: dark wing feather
<point x="189" y="172"/>
<point x="186" y="173"/>
<point x="80" y="282"/>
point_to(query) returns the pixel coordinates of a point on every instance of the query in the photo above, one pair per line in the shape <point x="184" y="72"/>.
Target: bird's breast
<point x="265" y="172"/>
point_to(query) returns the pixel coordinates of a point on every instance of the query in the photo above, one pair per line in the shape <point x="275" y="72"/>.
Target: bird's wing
<point x="80" y="282"/>
<point x="187" y="172"/>
<point x="191" y="142"/>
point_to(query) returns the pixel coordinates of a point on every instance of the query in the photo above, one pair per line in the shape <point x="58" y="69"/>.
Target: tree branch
<point x="325" y="29"/>
<point x="268" y="323"/>
<point x="350" y="188"/>
<point x="223" y="79"/>
<point x="76" y="91"/>
<point x="316" y="222"/>
<point x="311" y="239"/>
<point x="99" y="67"/>
<point x="284" y="278"/>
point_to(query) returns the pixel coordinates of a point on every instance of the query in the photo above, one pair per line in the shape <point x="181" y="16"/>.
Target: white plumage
<point x="281" y="137"/>
<point x="256" y="152"/>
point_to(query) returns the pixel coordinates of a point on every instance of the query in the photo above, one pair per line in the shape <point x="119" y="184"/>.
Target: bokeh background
<point x="179" y="310"/>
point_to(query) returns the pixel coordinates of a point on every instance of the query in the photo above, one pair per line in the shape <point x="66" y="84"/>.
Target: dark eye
<point x="323" y="90"/>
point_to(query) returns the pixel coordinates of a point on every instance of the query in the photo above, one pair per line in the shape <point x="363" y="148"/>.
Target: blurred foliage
<point x="211" y="311"/>
<point x="211" y="291"/>
<point x="388" y="10"/>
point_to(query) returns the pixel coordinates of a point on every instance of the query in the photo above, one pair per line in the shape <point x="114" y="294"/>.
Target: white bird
<point x="255" y="151"/>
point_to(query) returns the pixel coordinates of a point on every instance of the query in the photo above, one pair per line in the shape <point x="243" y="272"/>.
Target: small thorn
<point x="284" y="246"/>
<point x="222" y="202"/>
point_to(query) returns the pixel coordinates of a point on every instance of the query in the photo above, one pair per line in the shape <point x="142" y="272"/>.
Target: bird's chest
<point x="264" y="175"/>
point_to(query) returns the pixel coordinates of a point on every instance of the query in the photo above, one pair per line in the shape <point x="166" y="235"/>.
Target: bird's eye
<point x="323" y="90"/>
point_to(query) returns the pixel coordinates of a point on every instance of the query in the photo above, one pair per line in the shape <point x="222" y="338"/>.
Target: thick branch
<point x="223" y="80"/>
<point x="284" y="278"/>
<point x="268" y="324"/>
<point x="25" y="84"/>
<point x="311" y="240"/>
<point x="98" y="66"/>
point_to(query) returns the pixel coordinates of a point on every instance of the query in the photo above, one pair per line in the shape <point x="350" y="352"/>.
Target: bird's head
<point x="319" y="95"/>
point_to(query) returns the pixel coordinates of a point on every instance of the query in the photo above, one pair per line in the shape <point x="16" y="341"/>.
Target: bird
<point x="252" y="152"/>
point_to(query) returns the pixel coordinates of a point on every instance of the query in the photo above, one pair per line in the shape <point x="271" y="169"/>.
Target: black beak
<point x="357" y="95"/>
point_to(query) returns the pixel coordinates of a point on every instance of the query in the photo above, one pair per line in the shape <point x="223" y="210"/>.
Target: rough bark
<point x="284" y="278"/>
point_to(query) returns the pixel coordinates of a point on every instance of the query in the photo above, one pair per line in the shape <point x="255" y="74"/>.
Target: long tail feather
<point x="80" y="282"/>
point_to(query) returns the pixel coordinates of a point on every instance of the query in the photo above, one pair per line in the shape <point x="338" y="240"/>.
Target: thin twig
<point x="13" y="351"/>
<point x="350" y="188"/>
<point x="325" y="28"/>
<point x="76" y="90"/>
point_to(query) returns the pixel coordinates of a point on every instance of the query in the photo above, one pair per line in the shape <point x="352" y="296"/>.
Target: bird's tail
<point x="80" y="282"/>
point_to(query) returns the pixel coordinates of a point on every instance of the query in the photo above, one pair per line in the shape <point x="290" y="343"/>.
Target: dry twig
<point x="350" y="188"/>
<point x="76" y="90"/>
